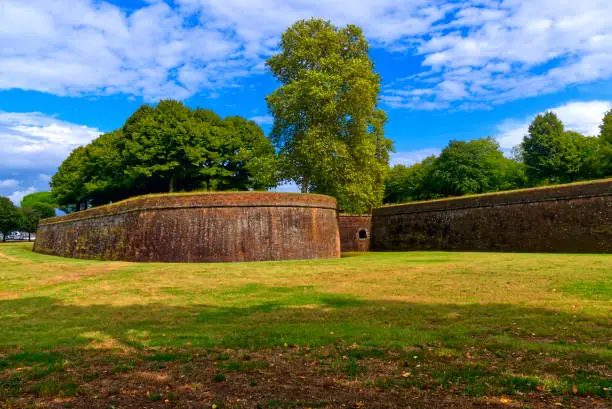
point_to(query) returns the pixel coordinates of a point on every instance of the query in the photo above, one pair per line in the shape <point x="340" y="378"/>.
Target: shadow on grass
<point x="531" y="342"/>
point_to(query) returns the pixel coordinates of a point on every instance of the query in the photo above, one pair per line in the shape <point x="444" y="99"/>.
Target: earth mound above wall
<point x="198" y="227"/>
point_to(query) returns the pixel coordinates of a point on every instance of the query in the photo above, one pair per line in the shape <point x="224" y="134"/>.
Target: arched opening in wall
<point x="363" y="234"/>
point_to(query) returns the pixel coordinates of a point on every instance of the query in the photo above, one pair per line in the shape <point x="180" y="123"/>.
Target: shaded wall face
<point x="576" y="219"/>
<point x="354" y="232"/>
<point x="197" y="234"/>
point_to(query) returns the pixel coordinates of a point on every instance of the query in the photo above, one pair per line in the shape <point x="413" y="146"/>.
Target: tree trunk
<point x="305" y="181"/>
<point x="29" y="236"/>
<point x="171" y="187"/>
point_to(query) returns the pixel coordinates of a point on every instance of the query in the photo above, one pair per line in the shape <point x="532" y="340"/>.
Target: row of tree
<point x="327" y="136"/>
<point x="167" y="148"/>
<point x="34" y="207"/>
<point x="548" y="154"/>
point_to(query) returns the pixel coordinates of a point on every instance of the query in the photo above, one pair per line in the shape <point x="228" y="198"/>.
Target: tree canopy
<point x="167" y="148"/>
<point x="604" y="156"/>
<point x="328" y="128"/>
<point x="548" y="151"/>
<point x="10" y="218"/>
<point x="31" y="215"/>
<point x="38" y="197"/>
<point x="476" y="166"/>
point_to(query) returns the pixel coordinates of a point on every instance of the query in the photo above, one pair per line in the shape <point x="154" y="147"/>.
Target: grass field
<point x="423" y="329"/>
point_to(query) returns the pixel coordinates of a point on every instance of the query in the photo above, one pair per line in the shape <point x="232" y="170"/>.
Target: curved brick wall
<point x="198" y="227"/>
<point x="575" y="218"/>
<point x="349" y="226"/>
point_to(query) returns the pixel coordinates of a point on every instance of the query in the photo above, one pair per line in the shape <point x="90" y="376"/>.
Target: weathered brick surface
<point x="350" y="226"/>
<point x="570" y="218"/>
<point x="201" y="227"/>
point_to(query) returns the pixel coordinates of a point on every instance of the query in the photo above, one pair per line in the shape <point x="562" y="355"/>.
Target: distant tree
<point x="33" y="214"/>
<point x="328" y="128"/>
<point x="605" y="129"/>
<point x="604" y="156"/>
<point x="476" y="166"/>
<point x="406" y="184"/>
<point x="39" y="197"/>
<point x="587" y="149"/>
<point x="10" y="218"/>
<point x="548" y="152"/>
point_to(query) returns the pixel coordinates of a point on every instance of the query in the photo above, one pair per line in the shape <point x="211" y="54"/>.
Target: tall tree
<point x="604" y="157"/>
<point x="587" y="149"/>
<point x="68" y="183"/>
<point x="10" y="218"/>
<point x="328" y="128"/>
<point x="33" y="214"/>
<point x="476" y="166"/>
<point x="548" y="152"/>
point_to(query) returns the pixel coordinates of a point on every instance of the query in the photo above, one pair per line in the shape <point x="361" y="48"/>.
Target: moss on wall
<point x="565" y="218"/>
<point x="245" y="226"/>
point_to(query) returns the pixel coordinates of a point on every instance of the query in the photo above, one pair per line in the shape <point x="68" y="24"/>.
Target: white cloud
<point x="17" y="195"/>
<point x="9" y="183"/>
<point x="33" y="141"/>
<point x="44" y="177"/>
<point x="474" y="52"/>
<point x="583" y="117"/>
<point x="409" y="158"/>
<point x="512" y="49"/>
<point x="262" y="120"/>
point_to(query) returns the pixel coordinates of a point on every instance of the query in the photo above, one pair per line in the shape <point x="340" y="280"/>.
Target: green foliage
<point x="68" y="183"/>
<point x="34" y="213"/>
<point x="549" y="154"/>
<point x="604" y="156"/>
<point x="167" y="148"/>
<point x="39" y="197"/>
<point x="328" y="128"/>
<point x="477" y="166"/>
<point x="10" y="218"/>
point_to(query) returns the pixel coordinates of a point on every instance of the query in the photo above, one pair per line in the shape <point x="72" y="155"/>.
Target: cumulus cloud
<point x="17" y="195"/>
<point x="511" y="49"/>
<point x="474" y="53"/>
<point x="583" y="117"/>
<point x="33" y="141"/>
<point x="9" y="183"/>
<point x="409" y="158"/>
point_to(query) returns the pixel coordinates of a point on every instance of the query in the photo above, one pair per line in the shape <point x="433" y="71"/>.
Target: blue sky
<point x="459" y="69"/>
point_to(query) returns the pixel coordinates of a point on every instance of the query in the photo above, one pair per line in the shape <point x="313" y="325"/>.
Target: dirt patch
<point x="7" y="257"/>
<point x="270" y="379"/>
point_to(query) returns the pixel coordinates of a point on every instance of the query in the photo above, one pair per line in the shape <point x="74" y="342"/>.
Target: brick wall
<point x="353" y="228"/>
<point x="246" y="226"/>
<point x="575" y="218"/>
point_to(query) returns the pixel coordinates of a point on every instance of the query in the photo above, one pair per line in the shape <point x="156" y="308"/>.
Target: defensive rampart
<point x="575" y="218"/>
<point x="354" y="232"/>
<point x="198" y="227"/>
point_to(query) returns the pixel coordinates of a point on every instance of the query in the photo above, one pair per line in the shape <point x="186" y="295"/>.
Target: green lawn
<point x="477" y="328"/>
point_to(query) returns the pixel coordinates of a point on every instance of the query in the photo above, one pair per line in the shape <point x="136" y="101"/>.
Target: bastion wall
<point x="354" y="232"/>
<point x="198" y="227"/>
<point x="574" y="218"/>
